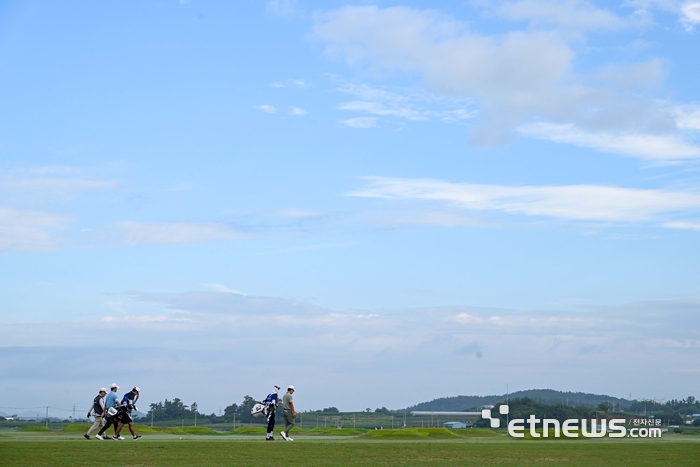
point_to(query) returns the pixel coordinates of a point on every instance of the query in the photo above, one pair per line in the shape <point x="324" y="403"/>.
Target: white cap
<point x="291" y="387"/>
<point x="136" y="388"/>
<point x="103" y="390"/>
<point x="114" y="385"/>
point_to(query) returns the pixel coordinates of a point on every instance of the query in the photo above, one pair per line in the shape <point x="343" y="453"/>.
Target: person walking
<point x="270" y="406"/>
<point x="289" y="411"/>
<point x="112" y="400"/>
<point x="98" y="410"/>
<point x="128" y="401"/>
<point x="117" y="416"/>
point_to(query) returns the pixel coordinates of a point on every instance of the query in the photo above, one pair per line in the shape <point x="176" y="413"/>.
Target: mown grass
<point x="36" y="449"/>
<point x="412" y="433"/>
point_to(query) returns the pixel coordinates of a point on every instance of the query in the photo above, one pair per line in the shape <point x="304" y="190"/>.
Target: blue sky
<point x="370" y="198"/>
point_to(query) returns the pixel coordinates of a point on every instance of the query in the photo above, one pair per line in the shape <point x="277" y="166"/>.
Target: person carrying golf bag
<point x="270" y="403"/>
<point x="115" y="416"/>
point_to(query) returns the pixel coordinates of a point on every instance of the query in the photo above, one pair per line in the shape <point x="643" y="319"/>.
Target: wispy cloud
<point x="267" y="108"/>
<point x="646" y="146"/>
<point x="572" y="14"/>
<point x="170" y="233"/>
<point x="686" y="225"/>
<point x="290" y="83"/>
<point x="574" y="202"/>
<point x="360" y="122"/>
<point x="297" y="111"/>
<point x="222" y="288"/>
<point x="409" y="104"/>
<point x="30" y="230"/>
<point x="192" y="331"/>
<point x="49" y="183"/>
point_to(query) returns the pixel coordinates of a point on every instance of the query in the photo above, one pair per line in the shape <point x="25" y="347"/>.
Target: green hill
<point x="545" y="396"/>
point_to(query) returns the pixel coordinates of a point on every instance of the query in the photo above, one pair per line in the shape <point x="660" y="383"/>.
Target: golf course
<point x="440" y="447"/>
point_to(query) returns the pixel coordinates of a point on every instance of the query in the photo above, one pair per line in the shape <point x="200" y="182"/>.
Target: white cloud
<point x="29" y="230"/>
<point x="513" y="77"/>
<point x="267" y="108"/>
<point x="576" y="202"/>
<point x="298" y="111"/>
<point x="688" y="117"/>
<point x="291" y="82"/>
<point x="360" y="122"/>
<point x="646" y="146"/>
<point x="690" y="14"/>
<point x="222" y="288"/>
<point x="171" y="233"/>
<point x="573" y="14"/>
<point x="683" y="225"/>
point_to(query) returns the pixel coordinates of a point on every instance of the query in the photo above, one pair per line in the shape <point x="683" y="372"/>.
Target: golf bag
<point x="258" y="410"/>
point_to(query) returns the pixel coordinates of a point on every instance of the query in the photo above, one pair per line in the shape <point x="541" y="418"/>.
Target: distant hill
<point x="546" y="396"/>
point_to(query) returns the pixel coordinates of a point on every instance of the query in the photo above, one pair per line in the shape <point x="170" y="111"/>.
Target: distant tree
<point x="696" y="422"/>
<point x="604" y="406"/>
<point x="331" y="409"/>
<point x="368" y="409"/>
<point x="382" y="410"/>
<point x="193" y="407"/>
<point x="230" y="410"/>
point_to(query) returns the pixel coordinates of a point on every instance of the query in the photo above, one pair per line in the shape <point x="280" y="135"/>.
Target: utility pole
<point x="47" y="416"/>
<point x="74" y="412"/>
<point x="151" y="418"/>
<point x="507" y="401"/>
<point x="195" y="418"/>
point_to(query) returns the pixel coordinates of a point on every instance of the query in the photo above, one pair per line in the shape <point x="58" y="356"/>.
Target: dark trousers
<point x="111" y="421"/>
<point x="271" y="420"/>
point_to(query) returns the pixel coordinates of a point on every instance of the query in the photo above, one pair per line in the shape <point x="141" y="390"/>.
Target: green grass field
<point x="68" y="448"/>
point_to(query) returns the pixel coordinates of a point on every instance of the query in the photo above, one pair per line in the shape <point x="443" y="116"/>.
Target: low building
<point x="454" y="425"/>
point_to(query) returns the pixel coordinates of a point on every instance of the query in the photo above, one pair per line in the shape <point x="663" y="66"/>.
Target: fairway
<point x="168" y="450"/>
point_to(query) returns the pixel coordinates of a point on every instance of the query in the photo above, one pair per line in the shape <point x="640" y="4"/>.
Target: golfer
<point x="289" y="412"/>
<point x="112" y="399"/>
<point x="98" y="410"/>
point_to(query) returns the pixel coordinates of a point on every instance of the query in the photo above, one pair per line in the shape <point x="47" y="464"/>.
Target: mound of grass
<point x="412" y="433"/>
<point x="474" y="433"/>
<point x="249" y="430"/>
<point x="35" y="429"/>
<point x="76" y="428"/>
<point x="144" y="429"/>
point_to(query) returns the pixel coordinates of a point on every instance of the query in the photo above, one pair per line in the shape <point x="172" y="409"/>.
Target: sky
<point x="378" y="202"/>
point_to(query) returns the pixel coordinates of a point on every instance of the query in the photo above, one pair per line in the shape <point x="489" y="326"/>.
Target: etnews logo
<point x="571" y="428"/>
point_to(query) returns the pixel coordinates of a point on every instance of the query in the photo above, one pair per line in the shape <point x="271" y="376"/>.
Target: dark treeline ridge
<point x="544" y="396"/>
<point x="555" y="404"/>
<point x="176" y="410"/>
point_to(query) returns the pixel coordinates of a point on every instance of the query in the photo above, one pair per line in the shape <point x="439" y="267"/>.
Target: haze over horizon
<point x="379" y="202"/>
